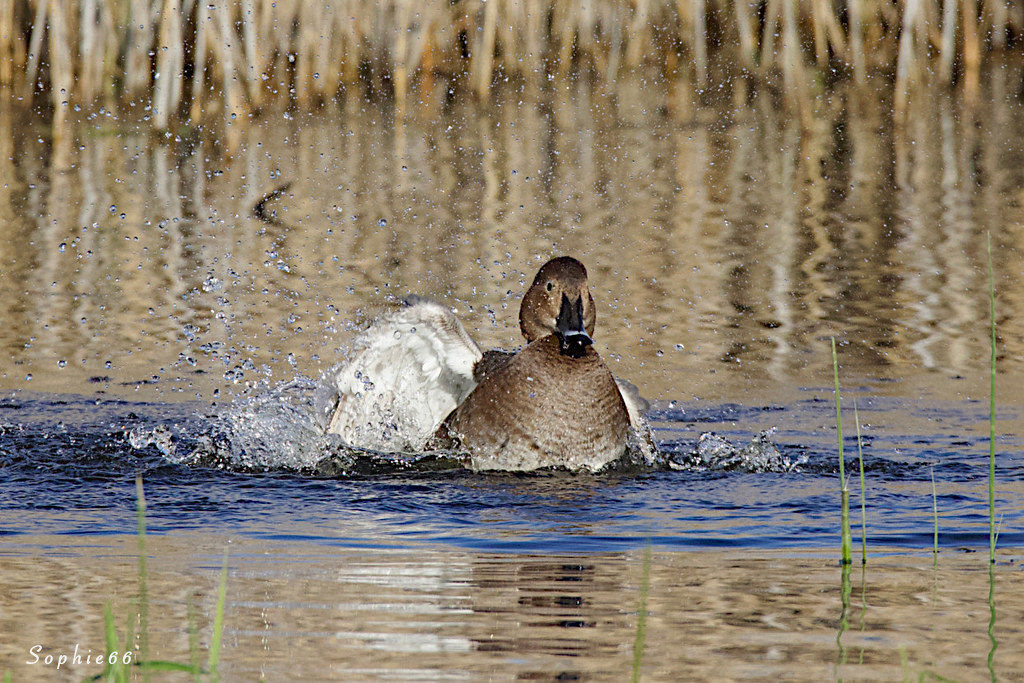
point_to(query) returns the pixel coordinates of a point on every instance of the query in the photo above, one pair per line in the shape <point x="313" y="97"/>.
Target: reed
<point x="863" y="491"/>
<point x="120" y="668"/>
<point x="844" y="495"/>
<point x="213" y="659"/>
<point x="641" y="614"/>
<point x="992" y="531"/>
<point x="935" y="516"/>
<point x="140" y="521"/>
<point x="187" y="60"/>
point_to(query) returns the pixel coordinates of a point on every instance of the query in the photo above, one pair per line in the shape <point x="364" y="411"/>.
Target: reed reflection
<point x="724" y="243"/>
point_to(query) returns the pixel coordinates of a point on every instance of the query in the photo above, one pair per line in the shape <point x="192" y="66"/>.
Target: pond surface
<point x="143" y="306"/>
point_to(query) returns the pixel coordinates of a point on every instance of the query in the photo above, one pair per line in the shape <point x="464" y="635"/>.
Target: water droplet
<point x="679" y="347"/>
<point x="28" y="377"/>
<point x="108" y="365"/>
<point x="382" y="222"/>
<point x="212" y="283"/>
<point x="62" y="363"/>
<point x="61" y="247"/>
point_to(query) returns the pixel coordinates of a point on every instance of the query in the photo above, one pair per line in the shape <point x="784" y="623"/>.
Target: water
<point x="148" y="318"/>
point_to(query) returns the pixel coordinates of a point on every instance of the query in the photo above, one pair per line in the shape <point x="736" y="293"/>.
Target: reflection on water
<point x="723" y="245"/>
<point x="309" y="612"/>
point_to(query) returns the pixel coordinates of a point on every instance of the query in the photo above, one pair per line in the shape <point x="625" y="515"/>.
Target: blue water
<point x="68" y="465"/>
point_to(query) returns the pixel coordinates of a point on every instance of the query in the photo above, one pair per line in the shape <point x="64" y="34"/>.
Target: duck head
<point x="559" y="303"/>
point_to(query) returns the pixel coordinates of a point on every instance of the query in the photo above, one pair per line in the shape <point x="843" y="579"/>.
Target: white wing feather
<point x="406" y="372"/>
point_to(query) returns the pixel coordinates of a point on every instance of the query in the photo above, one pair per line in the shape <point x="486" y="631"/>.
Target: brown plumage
<point x="553" y="404"/>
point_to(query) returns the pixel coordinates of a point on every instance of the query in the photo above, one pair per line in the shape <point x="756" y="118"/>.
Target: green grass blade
<point x="839" y="416"/>
<point x="845" y="590"/>
<point x="844" y="496"/>
<point x="863" y="496"/>
<point x="140" y="514"/>
<point x="641" y="614"/>
<point x="993" y="643"/>
<point x="110" y="671"/>
<point x="218" y="621"/>
<point x="935" y="515"/>
<point x="991" y="408"/>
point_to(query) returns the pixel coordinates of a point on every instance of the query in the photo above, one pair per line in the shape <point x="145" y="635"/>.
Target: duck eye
<point x="550" y="286"/>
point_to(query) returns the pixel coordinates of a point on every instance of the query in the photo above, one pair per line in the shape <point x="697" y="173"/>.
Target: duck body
<point x="417" y="381"/>
<point x="543" y="409"/>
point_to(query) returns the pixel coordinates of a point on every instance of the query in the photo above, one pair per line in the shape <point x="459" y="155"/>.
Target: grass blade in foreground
<point x="863" y="509"/>
<point x="991" y="409"/>
<point x="992" y="533"/>
<point x="935" y="514"/>
<point x="641" y="614"/>
<point x="844" y="496"/>
<point x="218" y="621"/>
<point x="140" y="512"/>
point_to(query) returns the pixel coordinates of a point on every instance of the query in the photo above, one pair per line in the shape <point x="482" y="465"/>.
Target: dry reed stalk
<point x="637" y="31"/>
<point x="972" y="49"/>
<point x="771" y="20"/>
<point x="856" y="40"/>
<point x="251" y="54"/>
<point x="906" y="56"/>
<point x="947" y="49"/>
<point x="792" y="65"/>
<point x="226" y="42"/>
<point x="834" y="32"/>
<point x="700" y="51"/>
<point x="400" y="54"/>
<point x="204" y="19"/>
<point x="1000" y="21"/>
<point x="35" y="45"/>
<point x="748" y="48"/>
<point x="311" y="19"/>
<point x="484" y="53"/>
<point x="91" y="66"/>
<point x="61" y="70"/>
<point x="7" y="41"/>
<point x="169" y="65"/>
<point x="818" y="10"/>
<point x="608" y="64"/>
<point x="567" y="36"/>
<point x="140" y="20"/>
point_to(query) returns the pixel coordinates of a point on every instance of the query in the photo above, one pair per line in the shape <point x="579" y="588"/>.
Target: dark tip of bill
<point x="574" y="344"/>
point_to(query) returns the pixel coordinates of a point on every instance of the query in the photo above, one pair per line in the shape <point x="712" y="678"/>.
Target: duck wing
<point x="636" y="405"/>
<point x="405" y="374"/>
<point x="492" y="361"/>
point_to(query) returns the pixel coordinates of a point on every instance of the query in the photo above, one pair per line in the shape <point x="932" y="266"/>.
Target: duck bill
<point x="572" y="335"/>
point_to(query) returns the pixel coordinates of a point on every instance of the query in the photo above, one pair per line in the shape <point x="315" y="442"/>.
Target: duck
<point x="415" y="380"/>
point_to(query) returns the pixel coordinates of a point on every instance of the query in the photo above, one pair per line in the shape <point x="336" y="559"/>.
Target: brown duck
<point x="416" y="380"/>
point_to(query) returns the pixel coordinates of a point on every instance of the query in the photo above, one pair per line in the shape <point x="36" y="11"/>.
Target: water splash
<point x="715" y="452"/>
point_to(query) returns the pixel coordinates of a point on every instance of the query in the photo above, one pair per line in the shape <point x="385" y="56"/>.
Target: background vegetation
<point x="184" y="59"/>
